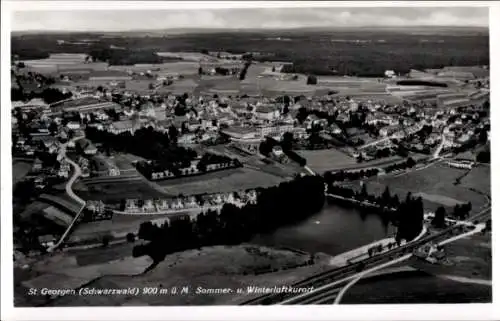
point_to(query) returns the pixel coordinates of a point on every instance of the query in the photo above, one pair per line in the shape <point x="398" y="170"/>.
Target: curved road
<point x="77" y="172"/>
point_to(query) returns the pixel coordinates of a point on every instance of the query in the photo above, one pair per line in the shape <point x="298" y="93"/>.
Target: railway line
<point x="329" y="280"/>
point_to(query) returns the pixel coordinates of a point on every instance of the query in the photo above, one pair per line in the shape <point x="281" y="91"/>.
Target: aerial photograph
<point x="250" y="156"/>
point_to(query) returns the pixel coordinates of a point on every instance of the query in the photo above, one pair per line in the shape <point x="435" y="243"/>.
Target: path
<point x="478" y="229"/>
<point x="77" y="172"/>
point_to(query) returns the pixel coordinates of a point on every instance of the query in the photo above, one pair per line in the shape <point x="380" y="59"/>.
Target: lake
<point x="333" y="230"/>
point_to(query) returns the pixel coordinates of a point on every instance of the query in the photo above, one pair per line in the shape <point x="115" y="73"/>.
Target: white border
<point x="354" y="312"/>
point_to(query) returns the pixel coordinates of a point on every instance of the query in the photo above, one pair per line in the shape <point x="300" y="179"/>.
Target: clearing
<point x="435" y="184"/>
<point x="220" y="182"/>
<point x="415" y="287"/>
<point x="225" y="267"/>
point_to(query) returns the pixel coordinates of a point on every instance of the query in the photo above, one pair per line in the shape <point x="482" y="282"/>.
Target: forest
<point x="375" y="52"/>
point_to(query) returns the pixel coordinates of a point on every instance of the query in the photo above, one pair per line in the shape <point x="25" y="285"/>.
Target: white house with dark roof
<point x="266" y="113"/>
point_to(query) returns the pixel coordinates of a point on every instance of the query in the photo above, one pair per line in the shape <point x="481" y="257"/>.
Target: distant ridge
<point x="179" y="31"/>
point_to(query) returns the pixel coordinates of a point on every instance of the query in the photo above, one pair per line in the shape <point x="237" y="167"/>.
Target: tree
<point x="312" y="80"/>
<point x="363" y="193"/>
<point x="439" y="216"/>
<point x="386" y="197"/>
<point x="302" y="114"/>
<point x="53" y="128"/>
<point x="287" y="142"/>
<point x="173" y="133"/>
<point x="130" y="237"/>
<point x="105" y="240"/>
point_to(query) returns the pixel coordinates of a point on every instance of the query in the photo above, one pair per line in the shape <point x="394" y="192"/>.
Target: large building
<point x="275" y="130"/>
<point x="266" y="113"/>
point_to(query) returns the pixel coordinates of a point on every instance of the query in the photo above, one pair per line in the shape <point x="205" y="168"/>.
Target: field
<point x="434" y="184"/>
<point x="415" y="287"/>
<point x="469" y="257"/>
<point x="118" y="226"/>
<point x="188" y="56"/>
<point x="19" y="170"/>
<point x="116" y="189"/>
<point x="478" y="178"/>
<point x="333" y="159"/>
<point x="224" y="267"/>
<point x="401" y="50"/>
<point x="220" y="182"/>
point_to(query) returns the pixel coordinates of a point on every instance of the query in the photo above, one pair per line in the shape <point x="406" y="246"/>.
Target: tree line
<point x="276" y="206"/>
<point x="407" y="215"/>
<point x="161" y="146"/>
<point x="353" y="175"/>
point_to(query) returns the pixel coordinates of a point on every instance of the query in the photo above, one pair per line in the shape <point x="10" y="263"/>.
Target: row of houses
<point x="160" y="205"/>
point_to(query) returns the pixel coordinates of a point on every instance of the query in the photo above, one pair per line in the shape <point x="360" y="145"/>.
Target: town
<point x="188" y="149"/>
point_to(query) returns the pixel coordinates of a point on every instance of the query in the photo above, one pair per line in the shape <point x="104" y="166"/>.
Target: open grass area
<point x="334" y="159"/>
<point x="122" y="162"/>
<point x="434" y="184"/>
<point x="470" y="257"/>
<point x="220" y="182"/>
<point x="478" y="178"/>
<point x="19" y="170"/>
<point x="224" y="267"/>
<point x="116" y="189"/>
<point x="327" y="159"/>
<point x="415" y="287"/>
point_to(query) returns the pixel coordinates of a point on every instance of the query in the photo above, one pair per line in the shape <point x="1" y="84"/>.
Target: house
<point x="193" y="125"/>
<point x="276" y="130"/>
<point x="131" y="205"/>
<point x="388" y="130"/>
<point x="461" y="164"/>
<point x="186" y="139"/>
<point x="123" y="126"/>
<point x="46" y="240"/>
<point x="334" y="129"/>
<point x="277" y="151"/>
<point x="86" y="147"/>
<point x="313" y="121"/>
<point x="73" y="125"/>
<point x="389" y="74"/>
<point x="95" y="206"/>
<point x="37" y="165"/>
<point x="149" y="206"/>
<point x="265" y="112"/>
<point x="343" y="118"/>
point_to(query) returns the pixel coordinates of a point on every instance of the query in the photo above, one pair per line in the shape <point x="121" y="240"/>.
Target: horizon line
<point x="249" y="28"/>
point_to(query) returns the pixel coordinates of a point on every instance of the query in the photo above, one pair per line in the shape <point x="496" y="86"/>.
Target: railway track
<point x="345" y="273"/>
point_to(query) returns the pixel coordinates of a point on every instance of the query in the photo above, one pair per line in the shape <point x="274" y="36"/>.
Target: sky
<point x="272" y="18"/>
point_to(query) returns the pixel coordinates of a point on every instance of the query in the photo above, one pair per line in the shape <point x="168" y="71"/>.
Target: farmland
<point x="220" y="182"/>
<point x="324" y="53"/>
<point x="415" y="287"/>
<point x="434" y="184"/>
<point x="116" y="189"/>
<point x="334" y="159"/>
<point x="470" y="257"/>
<point x="224" y="266"/>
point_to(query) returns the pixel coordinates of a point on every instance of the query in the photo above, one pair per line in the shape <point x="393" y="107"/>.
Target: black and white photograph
<point x="247" y="156"/>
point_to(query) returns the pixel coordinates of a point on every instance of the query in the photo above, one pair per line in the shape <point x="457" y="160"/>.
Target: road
<point x="440" y="147"/>
<point x="77" y="172"/>
<point x="375" y="142"/>
<point x="331" y="280"/>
